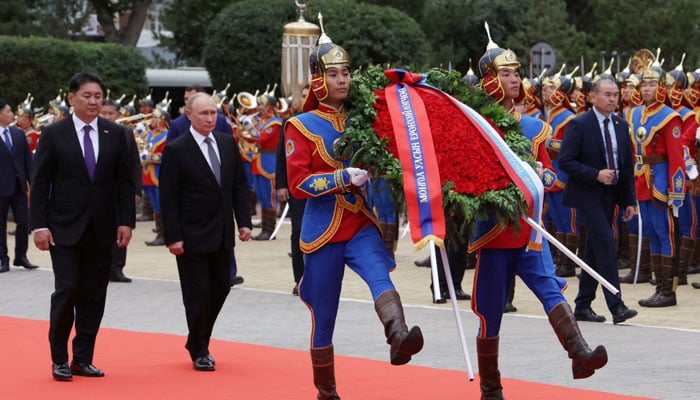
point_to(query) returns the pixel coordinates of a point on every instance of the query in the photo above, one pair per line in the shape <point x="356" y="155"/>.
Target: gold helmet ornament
<point x="562" y="85"/>
<point x="494" y="60"/>
<point x="325" y="55"/>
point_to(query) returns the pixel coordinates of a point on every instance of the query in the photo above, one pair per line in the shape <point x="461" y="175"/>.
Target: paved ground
<point x="656" y="354"/>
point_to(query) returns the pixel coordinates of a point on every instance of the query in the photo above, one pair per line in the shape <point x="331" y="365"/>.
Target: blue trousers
<point x="322" y="281"/>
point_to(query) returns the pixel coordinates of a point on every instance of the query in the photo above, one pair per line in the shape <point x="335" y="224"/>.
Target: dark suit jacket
<point x="16" y="165"/>
<point x="63" y="198"/>
<point x="194" y="207"/>
<point x="582" y="155"/>
<point x="181" y="125"/>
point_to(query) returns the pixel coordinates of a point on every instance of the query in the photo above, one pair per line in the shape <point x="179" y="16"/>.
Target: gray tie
<point x="215" y="164"/>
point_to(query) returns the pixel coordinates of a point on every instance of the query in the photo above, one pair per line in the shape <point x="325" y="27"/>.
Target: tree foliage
<point x="243" y="44"/>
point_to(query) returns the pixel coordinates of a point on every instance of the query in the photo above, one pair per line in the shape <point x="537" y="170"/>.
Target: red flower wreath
<point x="463" y="155"/>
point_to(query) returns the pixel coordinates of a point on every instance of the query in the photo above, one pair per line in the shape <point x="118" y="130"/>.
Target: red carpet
<point x="155" y="366"/>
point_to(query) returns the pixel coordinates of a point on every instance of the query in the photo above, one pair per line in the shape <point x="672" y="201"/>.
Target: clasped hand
<point x="358" y="176"/>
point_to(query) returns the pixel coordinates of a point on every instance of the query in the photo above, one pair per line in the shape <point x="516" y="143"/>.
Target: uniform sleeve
<point x="305" y="182"/>
<point x="676" y="163"/>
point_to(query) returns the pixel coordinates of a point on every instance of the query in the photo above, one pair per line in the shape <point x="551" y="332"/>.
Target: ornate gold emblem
<point x="320" y="184"/>
<point x="641" y="133"/>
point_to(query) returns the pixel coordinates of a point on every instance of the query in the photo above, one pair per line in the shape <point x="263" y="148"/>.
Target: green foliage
<point x="371" y="153"/>
<point x="243" y="44"/>
<point x="55" y="18"/>
<point x="42" y="66"/>
<point x="189" y="21"/>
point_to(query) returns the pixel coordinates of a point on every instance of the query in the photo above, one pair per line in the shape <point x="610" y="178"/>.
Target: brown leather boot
<point x="404" y="342"/>
<point x="644" y="261"/>
<point x="147" y="212"/>
<point x="584" y="361"/>
<point x="694" y="266"/>
<point x="324" y="372"/>
<point x="390" y="235"/>
<point x="160" y="238"/>
<point x="566" y="268"/>
<point x="685" y="257"/>
<point x="489" y="375"/>
<point x="665" y="295"/>
<point x="623" y="248"/>
<point x="269" y="219"/>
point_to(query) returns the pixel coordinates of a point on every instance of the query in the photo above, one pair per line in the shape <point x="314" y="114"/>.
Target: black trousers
<point x="118" y="258"/>
<point x="18" y="202"/>
<point x="81" y="273"/>
<point x="204" y="281"/>
<point x="600" y="253"/>
<point x="296" y="213"/>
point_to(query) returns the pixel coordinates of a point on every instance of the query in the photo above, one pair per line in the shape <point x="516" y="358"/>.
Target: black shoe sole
<point x="412" y="344"/>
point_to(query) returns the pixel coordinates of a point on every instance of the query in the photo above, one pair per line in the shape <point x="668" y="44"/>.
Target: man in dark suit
<point x="202" y="186"/>
<point x="597" y="155"/>
<point x="82" y="200"/>
<point x="15" y="164"/>
<point x="180" y="126"/>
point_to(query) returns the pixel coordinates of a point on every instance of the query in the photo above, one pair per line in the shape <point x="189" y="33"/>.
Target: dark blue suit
<point x="15" y="167"/>
<point x="582" y="156"/>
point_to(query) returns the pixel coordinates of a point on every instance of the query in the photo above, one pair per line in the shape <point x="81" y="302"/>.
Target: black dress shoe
<point x="119" y="277"/>
<point x="696" y="285"/>
<point x="422" y="263"/>
<point x="460" y="294"/>
<point x="24" y="262"/>
<point x="236" y="280"/>
<point x="85" y="369"/>
<point x="622" y="314"/>
<point x="295" y="291"/>
<point x="203" y="364"/>
<point x="61" y="372"/>
<point x="509" y="308"/>
<point x="211" y="358"/>
<point x="587" y="314"/>
<point x="4" y="266"/>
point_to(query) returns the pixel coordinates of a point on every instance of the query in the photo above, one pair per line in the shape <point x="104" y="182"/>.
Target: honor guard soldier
<point x="25" y="122"/>
<point x="507" y="254"/>
<point x="247" y="119"/>
<point x="262" y="167"/>
<point x="151" y="157"/>
<point x="676" y="84"/>
<point x="660" y="178"/>
<point x="338" y="225"/>
<point x="558" y="113"/>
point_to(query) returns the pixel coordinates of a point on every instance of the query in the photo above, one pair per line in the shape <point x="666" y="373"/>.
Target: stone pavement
<point x="656" y="354"/>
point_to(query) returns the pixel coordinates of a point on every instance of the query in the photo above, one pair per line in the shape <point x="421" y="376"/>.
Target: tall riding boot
<point x="160" y="238"/>
<point x="269" y="218"/>
<point x="324" y="372"/>
<point x="644" y="261"/>
<point x="624" y="247"/>
<point x="665" y="295"/>
<point x="489" y="375"/>
<point x="471" y="260"/>
<point x="566" y="268"/>
<point x="253" y="199"/>
<point x="685" y="257"/>
<point x="584" y="361"/>
<point x="390" y="235"/>
<point x="656" y="264"/>
<point x="147" y="212"/>
<point x="404" y="342"/>
<point x="694" y="266"/>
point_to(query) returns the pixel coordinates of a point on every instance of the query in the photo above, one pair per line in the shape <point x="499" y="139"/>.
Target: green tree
<point x="411" y="7"/>
<point x="137" y="10"/>
<point x="455" y="28"/>
<point x="189" y="21"/>
<point x="243" y="44"/>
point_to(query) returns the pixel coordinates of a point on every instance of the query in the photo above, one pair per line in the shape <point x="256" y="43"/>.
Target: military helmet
<point x="588" y="79"/>
<point x="25" y="107"/>
<point x="677" y="77"/>
<point x="128" y="109"/>
<point x="327" y="54"/>
<point x="148" y="100"/>
<point x="268" y="97"/>
<point x="470" y="78"/>
<point x="622" y="75"/>
<point x="654" y="72"/>
<point x="496" y="58"/>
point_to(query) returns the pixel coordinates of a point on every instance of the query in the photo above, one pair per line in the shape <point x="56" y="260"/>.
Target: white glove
<point x="692" y="172"/>
<point x="539" y="170"/>
<point x="697" y="134"/>
<point x="358" y="176"/>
